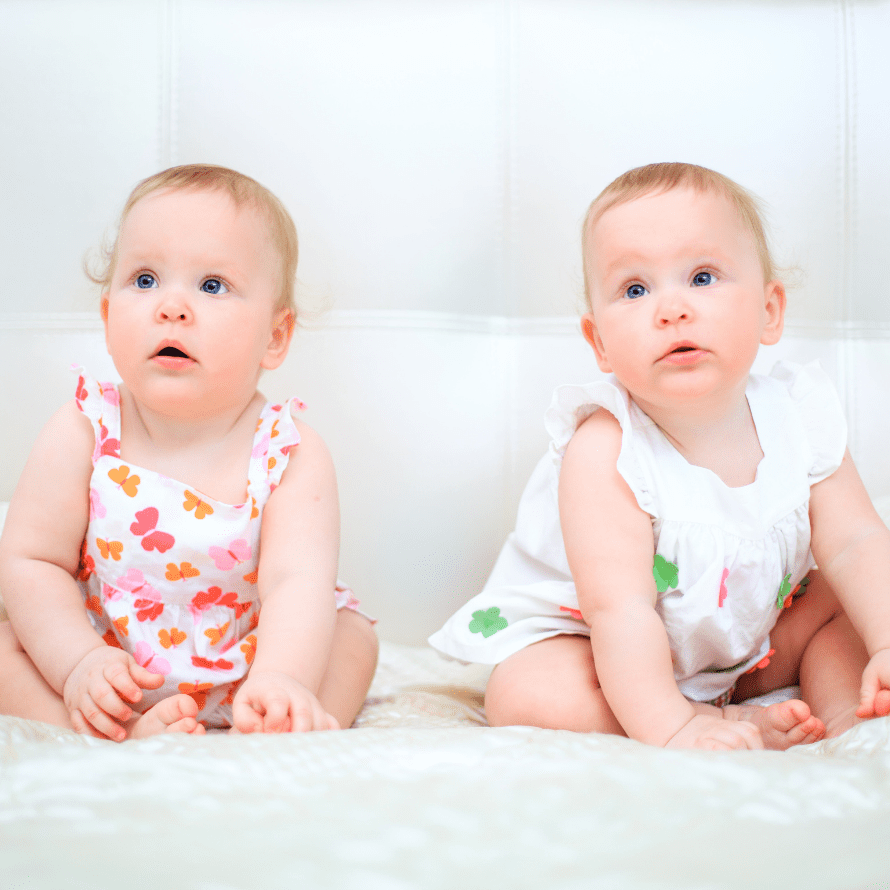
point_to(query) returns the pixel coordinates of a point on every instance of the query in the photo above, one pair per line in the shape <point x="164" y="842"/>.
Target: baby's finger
<point x="276" y="718"/>
<point x="245" y="719"/>
<point x="96" y="718"/>
<point x="117" y="673"/>
<point x="882" y="703"/>
<point x="867" y="697"/>
<point x="145" y="678"/>
<point x="107" y="699"/>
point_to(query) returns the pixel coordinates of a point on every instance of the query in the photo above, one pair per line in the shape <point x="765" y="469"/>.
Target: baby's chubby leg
<point x="551" y="684"/>
<point x="24" y="693"/>
<point x="816" y="646"/>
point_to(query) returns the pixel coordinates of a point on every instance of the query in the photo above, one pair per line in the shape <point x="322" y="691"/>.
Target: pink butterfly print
<point x="150" y="660"/>
<point x="104" y="445"/>
<point x="228" y="557"/>
<point x="134" y="582"/>
<point x="110" y="594"/>
<point x="146" y="521"/>
<point x="262" y="447"/>
<point x="109" y="393"/>
<point x="97" y="508"/>
<point x="723" y="592"/>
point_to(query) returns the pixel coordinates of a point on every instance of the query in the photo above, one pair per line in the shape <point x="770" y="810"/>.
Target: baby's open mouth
<point x="172" y="352"/>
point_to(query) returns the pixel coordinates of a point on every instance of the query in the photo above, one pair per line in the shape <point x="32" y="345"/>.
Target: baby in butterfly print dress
<point x="140" y="603"/>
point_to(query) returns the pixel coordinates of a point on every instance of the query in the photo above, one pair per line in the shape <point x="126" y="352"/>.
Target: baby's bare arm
<point x="297" y="575"/>
<point x="40" y="548"/>
<point x="851" y="545"/>
<point x="609" y="545"/>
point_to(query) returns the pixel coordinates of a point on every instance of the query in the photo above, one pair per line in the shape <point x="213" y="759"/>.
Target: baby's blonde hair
<point x="663" y="178"/>
<point x="244" y="191"/>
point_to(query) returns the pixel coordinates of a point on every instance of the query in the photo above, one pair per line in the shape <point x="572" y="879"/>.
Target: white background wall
<point x="438" y="157"/>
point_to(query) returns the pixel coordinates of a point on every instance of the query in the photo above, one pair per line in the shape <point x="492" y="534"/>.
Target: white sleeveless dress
<point x="726" y="558"/>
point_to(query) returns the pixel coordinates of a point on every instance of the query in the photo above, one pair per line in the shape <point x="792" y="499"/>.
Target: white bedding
<point x="422" y="794"/>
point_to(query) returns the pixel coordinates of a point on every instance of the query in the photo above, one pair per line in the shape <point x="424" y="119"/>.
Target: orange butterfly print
<point x="121" y="625"/>
<point x="110" y="549"/>
<point x="193" y="502"/>
<point x="219" y="665"/>
<point x="127" y="483"/>
<point x="215" y="634"/>
<point x="172" y="637"/>
<point x="181" y="572"/>
<point x="93" y="604"/>
<point x="254" y="510"/>
<point x="252" y="577"/>
<point x="148" y="610"/>
<point x="248" y="647"/>
<point x="230" y="695"/>
<point x="198" y="691"/>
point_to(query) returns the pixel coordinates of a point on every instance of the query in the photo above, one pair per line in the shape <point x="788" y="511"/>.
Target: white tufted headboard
<point x="438" y="156"/>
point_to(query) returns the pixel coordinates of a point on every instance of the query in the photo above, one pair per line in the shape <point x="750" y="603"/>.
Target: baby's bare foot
<point x="174" y="714"/>
<point x="781" y="725"/>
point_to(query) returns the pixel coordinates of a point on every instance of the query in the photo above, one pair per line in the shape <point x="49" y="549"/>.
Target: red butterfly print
<point x="220" y="664"/>
<point x="145" y="524"/>
<point x="148" y="610"/>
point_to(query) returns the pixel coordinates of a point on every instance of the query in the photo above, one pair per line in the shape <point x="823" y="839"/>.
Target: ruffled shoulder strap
<point x="572" y="404"/>
<point x="816" y="400"/>
<point x="275" y="436"/>
<point x="101" y="403"/>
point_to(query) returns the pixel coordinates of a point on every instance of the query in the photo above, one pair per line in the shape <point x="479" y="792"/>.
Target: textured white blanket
<point x="423" y="795"/>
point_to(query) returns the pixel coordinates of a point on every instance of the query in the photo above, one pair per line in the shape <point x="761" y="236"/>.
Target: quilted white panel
<point x="748" y="88"/>
<point x="380" y="124"/>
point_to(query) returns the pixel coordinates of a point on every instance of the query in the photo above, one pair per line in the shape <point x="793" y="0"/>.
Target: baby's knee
<point x="512" y="699"/>
<point x="360" y="638"/>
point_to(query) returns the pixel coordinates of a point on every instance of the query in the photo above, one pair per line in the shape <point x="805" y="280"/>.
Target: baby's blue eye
<point x="635" y="291"/>
<point x="214" y="286"/>
<point x="702" y="279"/>
<point x="145" y="281"/>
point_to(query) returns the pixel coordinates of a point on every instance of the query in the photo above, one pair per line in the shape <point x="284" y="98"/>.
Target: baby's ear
<point x="774" y="306"/>
<point x="279" y="340"/>
<point x="592" y="336"/>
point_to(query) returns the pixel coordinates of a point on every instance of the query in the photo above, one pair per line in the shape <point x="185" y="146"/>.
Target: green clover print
<point x="665" y="573"/>
<point x="784" y="590"/>
<point x="488" y="622"/>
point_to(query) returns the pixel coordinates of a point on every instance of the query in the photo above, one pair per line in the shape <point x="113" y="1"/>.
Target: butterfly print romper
<point x="169" y="574"/>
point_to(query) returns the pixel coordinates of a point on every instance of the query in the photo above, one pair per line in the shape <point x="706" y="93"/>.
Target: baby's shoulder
<point x="69" y="425"/>
<point x="596" y="443"/>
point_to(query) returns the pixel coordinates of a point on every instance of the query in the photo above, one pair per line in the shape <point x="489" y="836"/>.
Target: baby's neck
<point x="723" y="441"/>
<point x="211" y="453"/>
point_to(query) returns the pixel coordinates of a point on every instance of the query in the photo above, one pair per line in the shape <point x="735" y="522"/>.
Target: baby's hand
<point x="271" y="701"/>
<point x="716" y="734"/>
<point x="874" y="696"/>
<point x="95" y="689"/>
